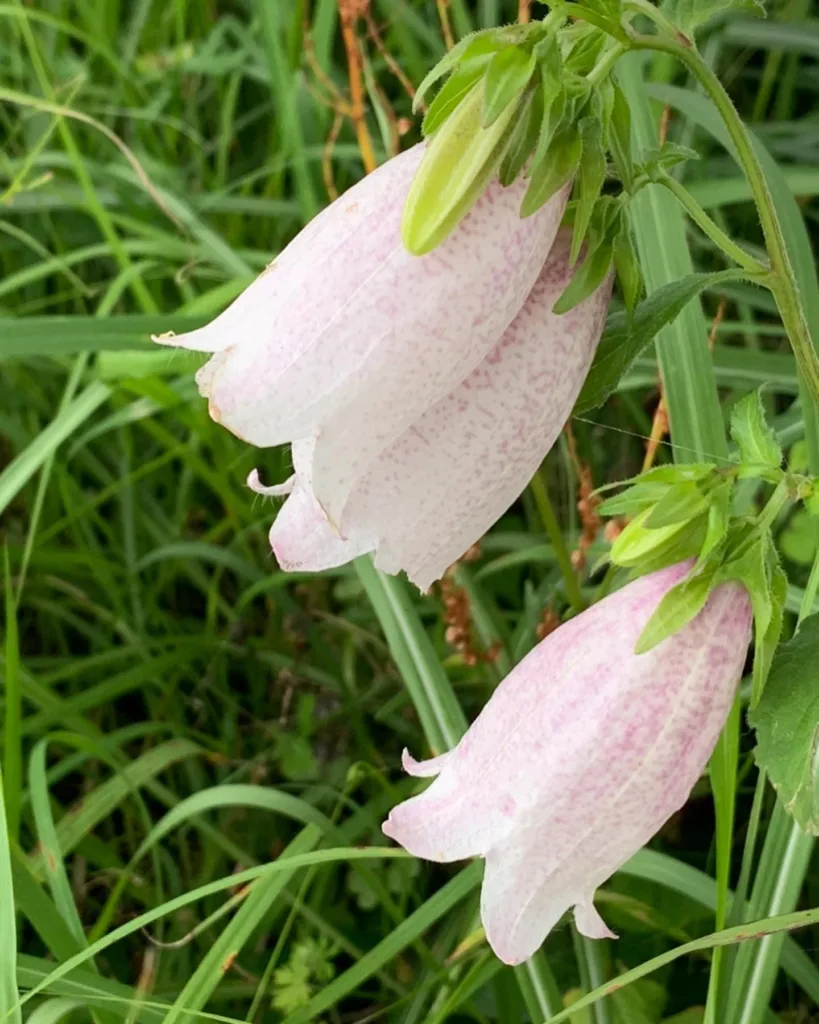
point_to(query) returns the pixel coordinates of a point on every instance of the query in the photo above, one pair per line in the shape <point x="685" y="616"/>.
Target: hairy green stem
<point x="781" y="282"/>
<point x="555" y="534"/>
<point x="711" y="229"/>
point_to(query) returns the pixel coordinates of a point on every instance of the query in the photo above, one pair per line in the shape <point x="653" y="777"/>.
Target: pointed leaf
<point x="627" y="267"/>
<point x="755" y="438"/>
<point x="553" y="171"/>
<point x="591" y="173"/>
<point x="679" y="606"/>
<point x="681" y="502"/>
<point x="619" y="137"/>
<point x="523" y="139"/>
<point x="719" y="512"/>
<point x="507" y="76"/>
<point x="588" y="277"/>
<point x="626" y="336"/>
<point x="638" y="544"/>
<point x="786" y="720"/>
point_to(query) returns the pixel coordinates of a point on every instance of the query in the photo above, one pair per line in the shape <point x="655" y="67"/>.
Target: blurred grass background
<point x="176" y="710"/>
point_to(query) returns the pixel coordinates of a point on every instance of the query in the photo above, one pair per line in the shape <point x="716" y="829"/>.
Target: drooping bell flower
<point x="419" y="393"/>
<point x="579" y="757"/>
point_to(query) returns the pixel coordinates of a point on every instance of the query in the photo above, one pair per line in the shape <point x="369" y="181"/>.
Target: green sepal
<point x="619" y="137"/>
<point x="638" y="546"/>
<point x="524" y="137"/>
<point x="754" y="437"/>
<point x="649" y="487"/>
<point x="681" y="502"/>
<point x="588" y="277"/>
<point x="719" y="518"/>
<point x="478" y="45"/>
<point x="452" y="93"/>
<point x="508" y="74"/>
<point x="460" y="161"/>
<point x="627" y="267"/>
<point x="554" y="170"/>
<point x="591" y="173"/>
<point x="679" y="606"/>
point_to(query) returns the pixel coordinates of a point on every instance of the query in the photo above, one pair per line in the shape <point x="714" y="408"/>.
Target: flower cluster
<point x="419" y="394"/>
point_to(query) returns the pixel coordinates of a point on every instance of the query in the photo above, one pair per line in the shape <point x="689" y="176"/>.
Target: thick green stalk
<point x="782" y="281"/>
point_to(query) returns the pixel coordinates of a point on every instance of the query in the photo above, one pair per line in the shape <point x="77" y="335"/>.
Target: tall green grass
<point x="198" y="750"/>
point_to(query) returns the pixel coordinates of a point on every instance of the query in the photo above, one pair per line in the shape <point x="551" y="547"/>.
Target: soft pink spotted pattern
<point x="580" y="756"/>
<point x="348" y="334"/>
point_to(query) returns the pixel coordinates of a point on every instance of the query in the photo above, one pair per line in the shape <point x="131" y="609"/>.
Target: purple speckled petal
<point x="348" y="335"/>
<point x="580" y="756"/>
<point x="462" y="463"/>
<point x="429" y="323"/>
<point x="301" y="537"/>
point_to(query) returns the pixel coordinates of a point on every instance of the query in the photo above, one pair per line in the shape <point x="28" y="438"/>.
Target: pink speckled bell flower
<point x="581" y="754"/>
<point x="419" y="393"/>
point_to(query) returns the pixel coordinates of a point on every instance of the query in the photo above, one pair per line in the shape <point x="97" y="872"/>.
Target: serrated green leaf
<point x="626" y="336"/>
<point x="619" y="137"/>
<point x="689" y="15"/>
<point x="454" y="91"/>
<point x="679" y="606"/>
<point x="554" y="170"/>
<point x="786" y="720"/>
<point x="508" y="74"/>
<point x="523" y="139"/>
<point x="461" y="159"/>
<point x="680" y="503"/>
<point x="755" y="439"/>
<point x="765" y="645"/>
<point x="591" y="173"/>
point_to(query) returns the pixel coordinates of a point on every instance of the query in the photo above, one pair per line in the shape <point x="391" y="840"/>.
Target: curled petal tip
<point x="275" y="490"/>
<point x="590" y="923"/>
<point x="423" y="769"/>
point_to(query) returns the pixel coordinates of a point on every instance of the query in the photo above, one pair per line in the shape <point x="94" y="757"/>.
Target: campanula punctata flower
<point x="419" y="394"/>
<point x="579" y="757"/>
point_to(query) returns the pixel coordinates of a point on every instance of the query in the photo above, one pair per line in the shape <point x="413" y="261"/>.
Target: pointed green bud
<point x="460" y="161"/>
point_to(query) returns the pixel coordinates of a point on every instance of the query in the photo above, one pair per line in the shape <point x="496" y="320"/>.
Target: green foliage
<point x="209" y="706"/>
<point x="754" y="437"/>
<point x="786" y="721"/>
<point x="689" y="15"/>
<point x="626" y="335"/>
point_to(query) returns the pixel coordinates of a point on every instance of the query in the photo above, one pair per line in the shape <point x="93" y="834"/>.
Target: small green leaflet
<point x="679" y="606"/>
<point x="591" y="173"/>
<point x="681" y="502"/>
<point x="553" y="171"/>
<point x="627" y="266"/>
<point x="755" y="439"/>
<point x="689" y="15"/>
<point x="626" y="336"/>
<point x="507" y="76"/>
<point x="786" y="720"/>
<point x="619" y="137"/>
<point x="523" y="138"/>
